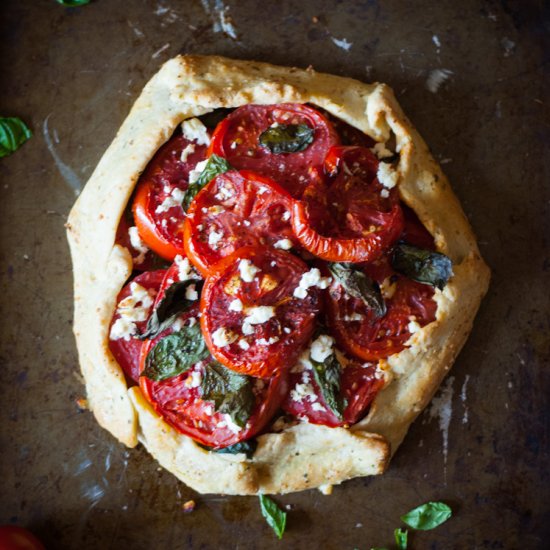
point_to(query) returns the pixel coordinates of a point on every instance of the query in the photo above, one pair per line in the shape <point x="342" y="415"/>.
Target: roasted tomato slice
<point x="237" y="209"/>
<point x="237" y="138"/>
<point x="259" y="308"/>
<point x="157" y="209"/>
<point x="356" y="218"/>
<point x="134" y="305"/>
<point x="359" y="384"/>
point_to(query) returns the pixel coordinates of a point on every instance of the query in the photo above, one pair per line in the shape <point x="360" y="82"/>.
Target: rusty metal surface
<point x="482" y="447"/>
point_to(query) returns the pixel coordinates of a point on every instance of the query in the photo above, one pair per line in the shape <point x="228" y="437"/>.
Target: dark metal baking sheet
<point x="472" y="76"/>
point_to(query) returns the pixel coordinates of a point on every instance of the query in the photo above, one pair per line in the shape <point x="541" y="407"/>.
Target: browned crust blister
<point x="305" y="455"/>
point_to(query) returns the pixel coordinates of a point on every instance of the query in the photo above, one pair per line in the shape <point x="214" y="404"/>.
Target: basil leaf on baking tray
<point x="421" y="265"/>
<point x="73" y="3"/>
<point x="274" y="516"/>
<point x="286" y="138"/>
<point x="247" y="447"/>
<point x="401" y="537"/>
<point x="327" y="375"/>
<point x="173" y="303"/>
<point x="13" y="133"/>
<point x="175" y="353"/>
<point x="360" y="286"/>
<point x="427" y="516"/>
<point x="214" y="166"/>
<point x="230" y="392"/>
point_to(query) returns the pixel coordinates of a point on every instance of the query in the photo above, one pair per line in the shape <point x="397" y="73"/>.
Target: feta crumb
<point x="286" y="216"/>
<point x="384" y="193"/>
<point x="137" y="244"/>
<point x="380" y="151"/>
<point x="197" y="171"/>
<point x="236" y="305"/>
<point x="174" y="199"/>
<point x="189" y="150"/>
<point x="194" y="379"/>
<point x="284" y="244"/>
<point x="354" y="317"/>
<point x="223" y="337"/>
<point x="214" y="238"/>
<point x="191" y="293"/>
<point x="185" y="269"/>
<point x="309" y="279"/>
<point x="243" y="344"/>
<point x="194" y="130"/>
<point x="215" y="210"/>
<point x="131" y="312"/>
<point x="224" y="193"/>
<point x="386" y="175"/>
<point x="231" y="425"/>
<point x="317" y="407"/>
<point x="247" y="270"/>
<point x="303" y="391"/>
<point x="247" y="329"/>
<point x="321" y="348"/>
<point x="413" y="326"/>
<point x="258" y="315"/>
<point x="264" y="342"/>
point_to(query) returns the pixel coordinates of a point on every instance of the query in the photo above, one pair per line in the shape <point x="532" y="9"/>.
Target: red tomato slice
<point x="178" y="399"/>
<point x="236" y="209"/>
<point x="13" y="537"/>
<point x="257" y="326"/>
<point x="126" y="350"/>
<point x="157" y="204"/>
<point x="236" y="138"/>
<point x="359" y="384"/>
<point x="356" y="219"/>
<point x="414" y="232"/>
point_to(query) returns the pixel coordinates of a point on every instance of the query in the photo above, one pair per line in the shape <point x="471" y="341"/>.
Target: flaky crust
<point x="302" y="456"/>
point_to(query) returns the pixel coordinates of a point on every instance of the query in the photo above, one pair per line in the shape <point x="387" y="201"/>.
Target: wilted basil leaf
<point x="274" y="516"/>
<point x="247" y="447"/>
<point x="175" y="353"/>
<point x="360" y="286"/>
<point x="73" y="3"/>
<point x="401" y="537"/>
<point x="172" y="304"/>
<point x="286" y="138"/>
<point x="215" y="166"/>
<point x="427" y="516"/>
<point x="327" y="375"/>
<point x="13" y="133"/>
<point x="422" y="265"/>
<point x="230" y="392"/>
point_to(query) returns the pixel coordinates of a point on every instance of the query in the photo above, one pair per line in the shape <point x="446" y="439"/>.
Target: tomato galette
<point x="272" y="276"/>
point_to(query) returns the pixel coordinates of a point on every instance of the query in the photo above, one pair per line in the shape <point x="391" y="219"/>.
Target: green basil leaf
<point x="176" y="353"/>
<point x="327" y="375"/>
<point x="427" y="516"/>
<point x="13" y="133"/>
<point x="73" y="3"/>
<point x="360" y="286"/>
<point x="287" y="138"/>
<point x="215" y="166"/>
<point x="230" y="392"/>
<point x="422" y="265"/>
<point x="401" y="537"/>
<point x="247" y="447"/>
<point x="172" y="304"/>
<point x="274" y="516"/>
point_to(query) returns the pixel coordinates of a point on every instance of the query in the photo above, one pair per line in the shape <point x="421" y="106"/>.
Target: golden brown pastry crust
<point x="305" y="455"/>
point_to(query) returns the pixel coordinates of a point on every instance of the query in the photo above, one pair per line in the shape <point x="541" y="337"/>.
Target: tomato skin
<point x="236" y="139"/>
<point x="358" y="386"/>
<point x="162" y="231"/>
<point x="254" y="214"/>
<point x="13" y="537"/>
<point x="290" y="328"/>
<point x="127" y="352"/>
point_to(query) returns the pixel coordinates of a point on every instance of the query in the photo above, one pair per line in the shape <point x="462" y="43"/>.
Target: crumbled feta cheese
<point x="189" y="150"/>
<point x="225" y="192"/>
<point x="137" y="245"/>
<point x="317" y="407"/>
<point x="236" y="305"/>
<point x="197" y="171"/>
<point x="215" y="210"/>
<point x="413" y="326"/>
<point x="286" y="216"/>
<point x="208" y="410"/>
<point x="247" y="270"/>
<point x="303" y="391"/>
<point x="194" y="130"/>
<point x="258" y="315"/>
<point x="380" y="151"/>
<point x="214" y="238"/>
<point x="223" y="337"/>
<point x="387" y="288"/>
<point x="174" y="199"/>
<point x="191" y="322"/>
<point x="386" y="175"/>
<point x="191" y="293"/>
<point x="261" y="190"/>
<point x="185" y="269"/>
<point x="287" y="330"/>
<point x="309" y="279"/>
<point x="131" y="312"/>
<point x="354" y="317"/>
<point x="264" y="342"/>
<point x="177" y="325"/>
<point x="384" y="193"/>
<point x="247" y="329"/>
<point x="194" y="379"/>
<point x="321" y="348"/>
<point x="284" y="244"/>
<point x="243" y="344"/>
<point x="231" y="425"/>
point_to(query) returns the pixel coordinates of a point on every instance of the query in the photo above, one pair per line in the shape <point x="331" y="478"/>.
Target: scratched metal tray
<point x="470" y="75"/>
